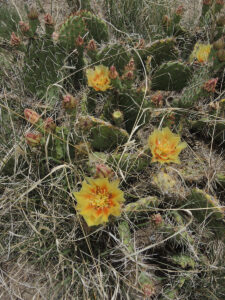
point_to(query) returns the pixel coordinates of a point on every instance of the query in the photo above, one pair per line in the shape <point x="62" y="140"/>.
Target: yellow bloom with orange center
<point x="201" y="52"/>
<point x="165" y="146"/>
<point x="98" y="78"/>
<point x="98" y="199"/>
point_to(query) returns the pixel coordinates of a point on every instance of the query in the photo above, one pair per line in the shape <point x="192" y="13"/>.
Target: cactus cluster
<point x="101" y="102"/>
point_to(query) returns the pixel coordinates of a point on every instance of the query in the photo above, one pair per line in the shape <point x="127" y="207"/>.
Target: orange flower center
<point x="101" y="198"/>
<point x="164" y="149"/>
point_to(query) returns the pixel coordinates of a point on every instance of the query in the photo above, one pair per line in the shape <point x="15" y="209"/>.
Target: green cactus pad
<point x="211" y="214"/>
<point x="42" y="63"/>
<point x="103" y="135"/>
<point x="171" y="76"/>
<point x="193" y="92"/>
<point x="9" y="19"/>
<point x="96" y="27"/>
<point x="70" y="30"/>
<point x="160" y="50"/>
<point x="115" y="54"/>
<point x="183" y="261"/>
<point x="129" y="163"/>
<point x="143" y="203"/>
<point x="130" y="104"/>
<point x="215" y="128"/>
<point x="169" y="185"/>
<point x="125" y="236"/>
<point x="221" y="179"/>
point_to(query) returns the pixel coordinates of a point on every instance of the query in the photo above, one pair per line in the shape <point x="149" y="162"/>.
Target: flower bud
<point x="180" y="10"/>
<point x="79" y="41"/>
<point x="69" y="102"/>
<point x="31" y="116"/>
<point x="118" y="117"/>
<point x="157" y="99"/>
<point x="33" y="14"/>
<point x="221" y="21"/>
<point x="220" y="2"/>
<point x="207" y="2"/>
<point x="129" y="75"/>
<point x="130" y="66"/>
<point x="113" y="74"/>
<point x="210" y="85"/>
<point x="166" y="21"/>
<point x="33" y="139"/>
<point x="15" y="40"/>
<point x="103" y="171"/>
<point x="140" y="44"/>
<point x="221" y="55"/>
<point x="49" y="125"/>
<point x="85" y="123"/>
<point x="148" y="290"/>
<point x="48" y="20"/>
<point x="92" y="46"/>
<point x="157" y="219"/>
<point x="24" y="27"/>
<point x="214" y="105"/>
<point x="55" y="36"/>
<point x="219" y="44"/>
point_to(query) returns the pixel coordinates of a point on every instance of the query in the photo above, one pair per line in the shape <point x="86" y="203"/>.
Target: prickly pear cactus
<point x="83" y="24"/>
<point x="103" y="135"/>
<point x="210" y="211"/>
<point x="115" y="54"/>
<point x="42" y="63"/>
<point x="160" y="51"/>
<point x="171" y="76"/>
<point x="132" y="105"/>
<point x="70" y="30"/>
<point x="127" y="163"/>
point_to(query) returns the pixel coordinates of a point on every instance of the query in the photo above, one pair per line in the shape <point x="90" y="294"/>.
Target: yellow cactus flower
<point x="165" y="146"/>
<point x="98" y="78"/>
<point x="201" y="52"/>
<point x="97" y="199"/>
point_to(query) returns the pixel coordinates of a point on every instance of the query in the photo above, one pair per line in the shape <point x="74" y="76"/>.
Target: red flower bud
<point x="140" y="44"/>
<point x="210" y="85"/>
<point x="48" y="20"/>
<point x="207" y="2"/>
<point x="55" y="36"/>
<point x="180" y="10"/>
<point x="92" y="46"/>
<point x="130" y="66"/>
<point x="113" y="74"/>
<point x="166" y="20"/>
<point x="220" y="2"/>
<point x="69" y="102"/>
<point x="157" y="219"/>
<point x="85" y="123"/>
<point x="148" y="290"/>
<point x="31" y="116"/>
<point x="24" y="27"/>
<point x="33" y="139"/>
<point x="33" y="14"/>
<point x="79" y="41"/>
<point x="49" y="125"/>
<point x="15" y="40"/>
<point x="129" y="75"/>
<point x="157" y="99"/>
<point x="103" y="171"/>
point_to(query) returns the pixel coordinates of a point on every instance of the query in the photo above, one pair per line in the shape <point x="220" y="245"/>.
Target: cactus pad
<point x="171" y="76"/>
